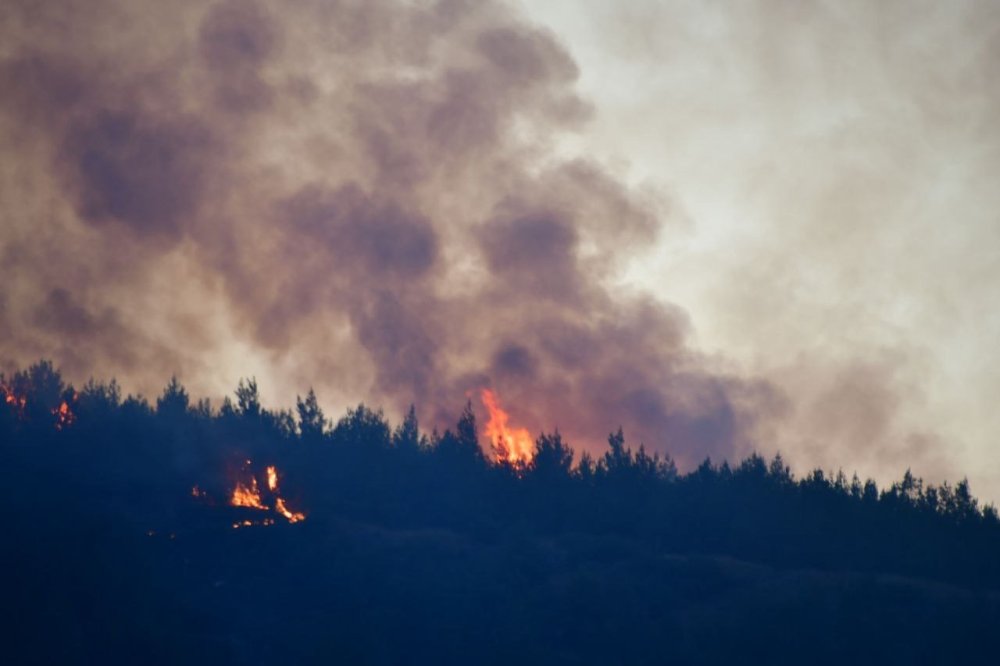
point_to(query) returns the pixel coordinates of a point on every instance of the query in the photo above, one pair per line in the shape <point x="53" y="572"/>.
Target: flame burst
<point x="249" y="495"/>
<point x="511" y="445"/>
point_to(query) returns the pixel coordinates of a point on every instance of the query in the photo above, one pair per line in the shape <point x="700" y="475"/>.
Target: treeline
<point x="170" y="532"/>
<point x="362" y="468"/>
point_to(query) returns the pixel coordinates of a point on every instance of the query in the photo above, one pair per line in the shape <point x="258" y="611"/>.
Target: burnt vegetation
<point x="430" y="548"/>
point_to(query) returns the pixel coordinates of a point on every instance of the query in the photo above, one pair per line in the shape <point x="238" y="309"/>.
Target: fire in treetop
<point x="510" y="444"/>
<point x="64" y="414"/>
<point x="17" y="402"/>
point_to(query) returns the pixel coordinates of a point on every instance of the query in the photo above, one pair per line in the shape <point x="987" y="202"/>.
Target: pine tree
<point x="248" y="398"/>
<point x="173" y="402"/>
<point x="406" y="436"/>
<point x="312" y="422"/>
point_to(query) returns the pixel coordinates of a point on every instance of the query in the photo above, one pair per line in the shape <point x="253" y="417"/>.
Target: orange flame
<point x="64" y="415"/>
<point x="17" y="402"/>
<point x="247" y="495"/>
<point x="293" y="517"/>
<point x="511" y="445"/>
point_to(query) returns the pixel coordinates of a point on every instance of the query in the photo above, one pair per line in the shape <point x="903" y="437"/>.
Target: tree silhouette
<point x="461" y="446"/>
<point x="406" y="436"/>
<point x="553" y="458"/>
<point x="248" y="398"/>
<point x="312" y="422"/>
<point x="363" y="429"/>
<point x="173" y="403"/>
<point x="407" y="534"/>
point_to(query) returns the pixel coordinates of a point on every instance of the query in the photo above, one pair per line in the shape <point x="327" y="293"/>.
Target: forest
<point x="169" y="531"/>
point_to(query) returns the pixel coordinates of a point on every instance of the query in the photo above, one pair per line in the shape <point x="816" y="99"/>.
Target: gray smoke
<point x="366" y="194"/>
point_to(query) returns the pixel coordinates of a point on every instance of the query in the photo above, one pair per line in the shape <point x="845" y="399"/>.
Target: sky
<point x="835" y="163"/>
<point x="724" y="227"/>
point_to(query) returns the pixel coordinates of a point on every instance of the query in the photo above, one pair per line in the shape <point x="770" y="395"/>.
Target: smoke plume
<point x="362" y="196"/>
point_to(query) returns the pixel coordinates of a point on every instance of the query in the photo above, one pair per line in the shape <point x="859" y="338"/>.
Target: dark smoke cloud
<point x="364" y="194"/>
<point x="148" y="176"/>
<point x="236" y="40"/>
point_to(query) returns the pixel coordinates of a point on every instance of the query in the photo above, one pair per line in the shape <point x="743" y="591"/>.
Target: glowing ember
<point x="272" y="478"/>
<point x="251" y="523"/>
<point x="293" y="517"/>
<point x="512" y="445"/>
<point x="247" y="495"/>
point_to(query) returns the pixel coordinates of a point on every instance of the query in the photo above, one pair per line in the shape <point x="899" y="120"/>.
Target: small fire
<point x="511" y="445"/>
<point x="293" y="517"/>
<point x="64" y="415"/>
<point x="17" y="402"/>
<point x="247" y="495"/>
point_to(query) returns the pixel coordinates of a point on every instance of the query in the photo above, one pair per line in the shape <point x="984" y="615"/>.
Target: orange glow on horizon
<point x="511" y="445"/>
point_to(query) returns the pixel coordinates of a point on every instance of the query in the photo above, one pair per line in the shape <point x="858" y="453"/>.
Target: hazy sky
<point x="724" y="226"/>
<point x="836" y="164"/>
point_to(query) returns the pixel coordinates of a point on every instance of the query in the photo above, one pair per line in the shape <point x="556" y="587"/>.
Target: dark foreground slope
<point x="119" y="548"/>
<point x="329" y="592"/>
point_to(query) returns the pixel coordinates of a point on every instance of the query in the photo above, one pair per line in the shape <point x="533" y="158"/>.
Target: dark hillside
<point x="173" y="533"/>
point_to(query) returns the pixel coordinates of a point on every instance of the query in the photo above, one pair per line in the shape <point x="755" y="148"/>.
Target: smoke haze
<point x="369" y="198"/>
